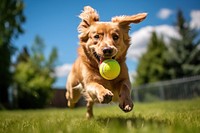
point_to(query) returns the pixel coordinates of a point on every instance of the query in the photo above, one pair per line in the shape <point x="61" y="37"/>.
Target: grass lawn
<point x="159" y="117"/>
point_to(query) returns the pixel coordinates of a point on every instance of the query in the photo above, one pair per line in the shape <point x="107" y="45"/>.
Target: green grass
<point x="159" y="117"/>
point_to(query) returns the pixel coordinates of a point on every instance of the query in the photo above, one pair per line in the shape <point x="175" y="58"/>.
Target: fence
<point x="184" y="88"/>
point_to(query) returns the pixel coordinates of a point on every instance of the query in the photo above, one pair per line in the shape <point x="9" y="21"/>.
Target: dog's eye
<point x="96" y="36"/>
<point x="115" y="37"/>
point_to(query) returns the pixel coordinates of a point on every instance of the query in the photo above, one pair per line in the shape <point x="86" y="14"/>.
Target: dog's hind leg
<point x="73" y="94"/>
<point x="89" y="113"/>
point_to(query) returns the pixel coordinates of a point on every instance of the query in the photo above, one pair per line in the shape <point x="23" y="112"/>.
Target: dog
<point x="100" y="41"/>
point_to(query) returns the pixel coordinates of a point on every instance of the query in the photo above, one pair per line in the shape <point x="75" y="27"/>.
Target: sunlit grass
<point x="160" y="117"/>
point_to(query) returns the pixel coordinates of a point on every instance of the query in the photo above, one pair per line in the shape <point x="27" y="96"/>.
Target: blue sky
<point x="56" y="22"/>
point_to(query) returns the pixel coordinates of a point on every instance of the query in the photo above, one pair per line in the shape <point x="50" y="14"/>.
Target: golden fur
<point x="100" y="41"/>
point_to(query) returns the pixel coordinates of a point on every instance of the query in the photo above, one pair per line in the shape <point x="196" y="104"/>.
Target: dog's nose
<point x="107" y="51"/>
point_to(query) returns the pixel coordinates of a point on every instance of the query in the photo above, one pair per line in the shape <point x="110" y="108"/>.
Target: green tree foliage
<point x="34" y="76"/>
<point x="152" y="64"/>
<point x="181" y="58"/>
<point x="11" y="19"/>
<point x="184" y="53"/>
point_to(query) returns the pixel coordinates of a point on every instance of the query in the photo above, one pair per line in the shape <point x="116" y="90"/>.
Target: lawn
<point x="159" y="117"/>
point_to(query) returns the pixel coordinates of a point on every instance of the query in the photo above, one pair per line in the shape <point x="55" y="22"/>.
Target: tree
<point x="24" y="56"/>
<point x="152" y="64"/>
<point x="33" y="76"/>
<point x="183" y="53"/>
<point x="11" y="19"/>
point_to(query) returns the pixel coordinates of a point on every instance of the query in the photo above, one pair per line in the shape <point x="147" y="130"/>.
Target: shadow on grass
<point x="132" y="122"/>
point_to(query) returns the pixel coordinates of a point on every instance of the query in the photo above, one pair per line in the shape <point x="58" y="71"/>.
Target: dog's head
<point x="105" y="40"/>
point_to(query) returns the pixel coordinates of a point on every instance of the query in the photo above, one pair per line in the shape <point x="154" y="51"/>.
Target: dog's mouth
<point x="100" y="59"/>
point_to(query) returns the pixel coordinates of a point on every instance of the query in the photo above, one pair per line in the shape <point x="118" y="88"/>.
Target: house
<point x="59" y="100"/>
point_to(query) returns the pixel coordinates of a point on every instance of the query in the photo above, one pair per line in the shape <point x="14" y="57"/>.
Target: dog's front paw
<point x="105" y="96"/>
<point x="126" y="105"/>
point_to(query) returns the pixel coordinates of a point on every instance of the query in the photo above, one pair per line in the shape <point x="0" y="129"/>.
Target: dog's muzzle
<point x="107" y="54"/>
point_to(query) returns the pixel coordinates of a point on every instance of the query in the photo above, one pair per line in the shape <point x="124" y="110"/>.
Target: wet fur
<point x="100" y="41"/>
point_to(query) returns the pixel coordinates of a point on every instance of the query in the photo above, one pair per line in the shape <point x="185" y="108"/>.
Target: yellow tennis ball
<point x="109" y="69"/>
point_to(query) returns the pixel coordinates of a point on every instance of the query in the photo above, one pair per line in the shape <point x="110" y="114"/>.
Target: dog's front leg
<point x="125" y="102"/>
<point x="98" y="93"/>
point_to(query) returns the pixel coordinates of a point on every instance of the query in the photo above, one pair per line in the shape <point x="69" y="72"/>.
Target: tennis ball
<point x="109" y="69"/>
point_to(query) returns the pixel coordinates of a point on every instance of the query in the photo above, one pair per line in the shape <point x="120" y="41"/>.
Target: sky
<point x="56" y="21"/>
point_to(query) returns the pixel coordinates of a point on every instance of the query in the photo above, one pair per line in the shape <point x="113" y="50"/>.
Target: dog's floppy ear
<point x="88" y="16"/>
<point x="125" y="21"/>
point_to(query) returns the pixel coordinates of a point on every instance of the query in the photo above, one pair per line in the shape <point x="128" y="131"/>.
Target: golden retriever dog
<point x="100" y="41"/>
